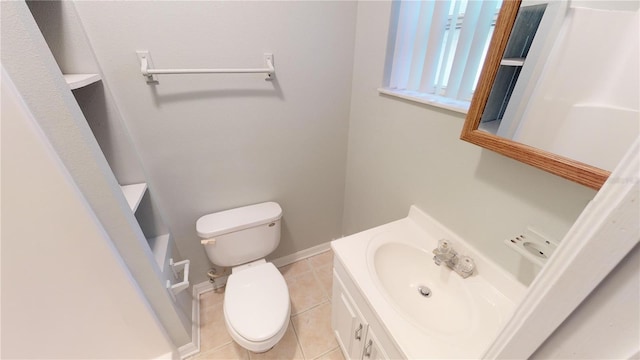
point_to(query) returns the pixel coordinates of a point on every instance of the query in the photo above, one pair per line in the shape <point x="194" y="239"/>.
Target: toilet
<point x="256" y="299"/>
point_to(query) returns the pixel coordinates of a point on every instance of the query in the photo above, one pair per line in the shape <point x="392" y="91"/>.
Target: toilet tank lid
<point x="228" y="221"/>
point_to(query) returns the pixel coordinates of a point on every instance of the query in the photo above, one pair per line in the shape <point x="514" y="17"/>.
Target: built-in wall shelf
<point x="160" y="247"/>
<point x="134" y="193"/>
<point x="512" y="64"/>
<point x="76" y="81"/>
<point x="512" y="61"/>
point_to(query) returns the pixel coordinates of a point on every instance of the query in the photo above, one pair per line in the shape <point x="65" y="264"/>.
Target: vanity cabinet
<point x="347" y="321"/>
<point x="358" y="332"/>
<point x="372" y="349"/>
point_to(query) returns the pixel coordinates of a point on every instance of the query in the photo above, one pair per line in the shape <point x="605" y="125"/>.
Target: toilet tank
<point x="241" y="235"/>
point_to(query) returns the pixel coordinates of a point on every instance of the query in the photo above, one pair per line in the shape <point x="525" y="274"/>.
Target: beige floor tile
<point x="229" y="351"/>
<point x="321" y="259"/>
<point x="295" y="269"/>
<point x="325" y="276"/>
<point x="211" y="298"/>
<point x="213" y="332"/>
<point x="335" y="354"/>
<point x="305" y="292"/>
<point x="314" y="331"/>
<point x="287" y="348"/>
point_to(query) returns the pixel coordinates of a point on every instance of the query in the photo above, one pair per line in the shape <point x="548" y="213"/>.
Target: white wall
<point x="65" y="291"/>
<point x="210" y="143"/>
<point x="605" y="325"/>
<point x="403" y="153"/>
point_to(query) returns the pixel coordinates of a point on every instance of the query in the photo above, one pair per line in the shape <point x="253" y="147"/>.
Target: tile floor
<point x="309" y="335"/>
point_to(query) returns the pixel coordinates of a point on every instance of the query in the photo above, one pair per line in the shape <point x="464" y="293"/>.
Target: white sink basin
<point x="459" y="320"/>
<point x="453" y="307"/>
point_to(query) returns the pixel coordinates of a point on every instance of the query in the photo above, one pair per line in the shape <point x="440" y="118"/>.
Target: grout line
<point x="317" y="277"/>
<point x="324" y="301"/>
<point x="202" y="310"/>
<point x="302" y="273"/>
<point x="324" y="292"/>
<point x="326" y="352"/>
<point x="219" y="347"/>
<point x="310" y="266"/>
<point x="295" y="333"/>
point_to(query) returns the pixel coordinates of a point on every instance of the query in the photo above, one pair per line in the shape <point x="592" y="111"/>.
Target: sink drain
<point x="424" y="291"/>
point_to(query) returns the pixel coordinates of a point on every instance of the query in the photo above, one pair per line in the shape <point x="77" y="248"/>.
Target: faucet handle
<point x="443" y="246"/>
<point x="466" y="265"/>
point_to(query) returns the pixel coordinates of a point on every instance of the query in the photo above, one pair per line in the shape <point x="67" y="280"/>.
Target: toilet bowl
<point x="257" y="307"/>
<point x="256" y="301"/>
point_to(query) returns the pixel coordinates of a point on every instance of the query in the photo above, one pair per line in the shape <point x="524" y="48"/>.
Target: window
<point x="439" y="49"/>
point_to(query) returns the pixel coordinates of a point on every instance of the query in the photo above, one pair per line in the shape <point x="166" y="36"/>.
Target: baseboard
<point x="193" y="347"/>
<point x="188" y="349"/>
<point x="281" y="261"/>
<point x="303" y="254"/>
<point x="167" y="356"/>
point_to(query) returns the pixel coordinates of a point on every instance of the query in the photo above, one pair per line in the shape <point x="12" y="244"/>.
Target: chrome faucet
<point x="444" y="253"/>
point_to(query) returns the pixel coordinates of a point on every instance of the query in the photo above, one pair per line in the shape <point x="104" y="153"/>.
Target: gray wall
<point x="58" y="303"/>
<point x="210" y="143"/>
<point x="403" y="153"/>
<point x="38" y="79"/>
<point x="61" y="28"/>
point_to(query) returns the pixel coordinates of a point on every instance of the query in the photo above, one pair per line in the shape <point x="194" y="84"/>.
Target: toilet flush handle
<point x="208" y="241"/>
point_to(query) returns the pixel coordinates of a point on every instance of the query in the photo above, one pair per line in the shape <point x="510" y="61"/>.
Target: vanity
<point x="391" y="300"/>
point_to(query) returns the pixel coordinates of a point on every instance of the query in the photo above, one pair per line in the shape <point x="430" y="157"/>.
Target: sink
<point x="433" y="298"/>
<point x="428" y="311"/>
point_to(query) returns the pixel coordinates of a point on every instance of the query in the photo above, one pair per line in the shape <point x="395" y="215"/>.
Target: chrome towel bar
<point x="147" y="70"/>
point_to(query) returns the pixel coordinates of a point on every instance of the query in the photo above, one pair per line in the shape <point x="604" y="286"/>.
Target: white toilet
<point x="256" y="300"/>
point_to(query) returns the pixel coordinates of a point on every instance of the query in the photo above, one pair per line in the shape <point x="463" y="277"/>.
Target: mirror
<point x="559" y="87"/>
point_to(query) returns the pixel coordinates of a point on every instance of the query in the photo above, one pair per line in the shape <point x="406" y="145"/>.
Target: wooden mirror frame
<point x="570" y="169"/>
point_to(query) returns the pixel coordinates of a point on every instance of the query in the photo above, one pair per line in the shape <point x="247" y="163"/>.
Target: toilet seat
<point x="256" y="306"/>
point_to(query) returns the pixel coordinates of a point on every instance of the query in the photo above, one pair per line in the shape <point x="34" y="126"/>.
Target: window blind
<point x="440" y="46"/>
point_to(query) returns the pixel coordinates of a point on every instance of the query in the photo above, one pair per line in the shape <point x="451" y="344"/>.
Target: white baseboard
<point x="281" y="261"/>
<point x="167" y="356"/>
<point x="188" y="349"/>
<point x="193" y="347"/>
<point x="303" y="254"/>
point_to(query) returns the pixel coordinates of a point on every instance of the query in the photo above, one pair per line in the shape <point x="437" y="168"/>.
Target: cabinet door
<point x="372" y="349"/>
<point x="347" y="322"/>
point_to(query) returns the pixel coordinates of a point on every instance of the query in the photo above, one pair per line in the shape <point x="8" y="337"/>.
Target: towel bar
<point x="148" y="71"/>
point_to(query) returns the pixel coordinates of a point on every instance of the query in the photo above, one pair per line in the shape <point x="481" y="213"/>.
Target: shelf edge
<point x="133" y="194"/>
<point x="76" y="81"/>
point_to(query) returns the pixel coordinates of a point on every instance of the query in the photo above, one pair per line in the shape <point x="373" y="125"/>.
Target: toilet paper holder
<point x="184" y="284"/>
